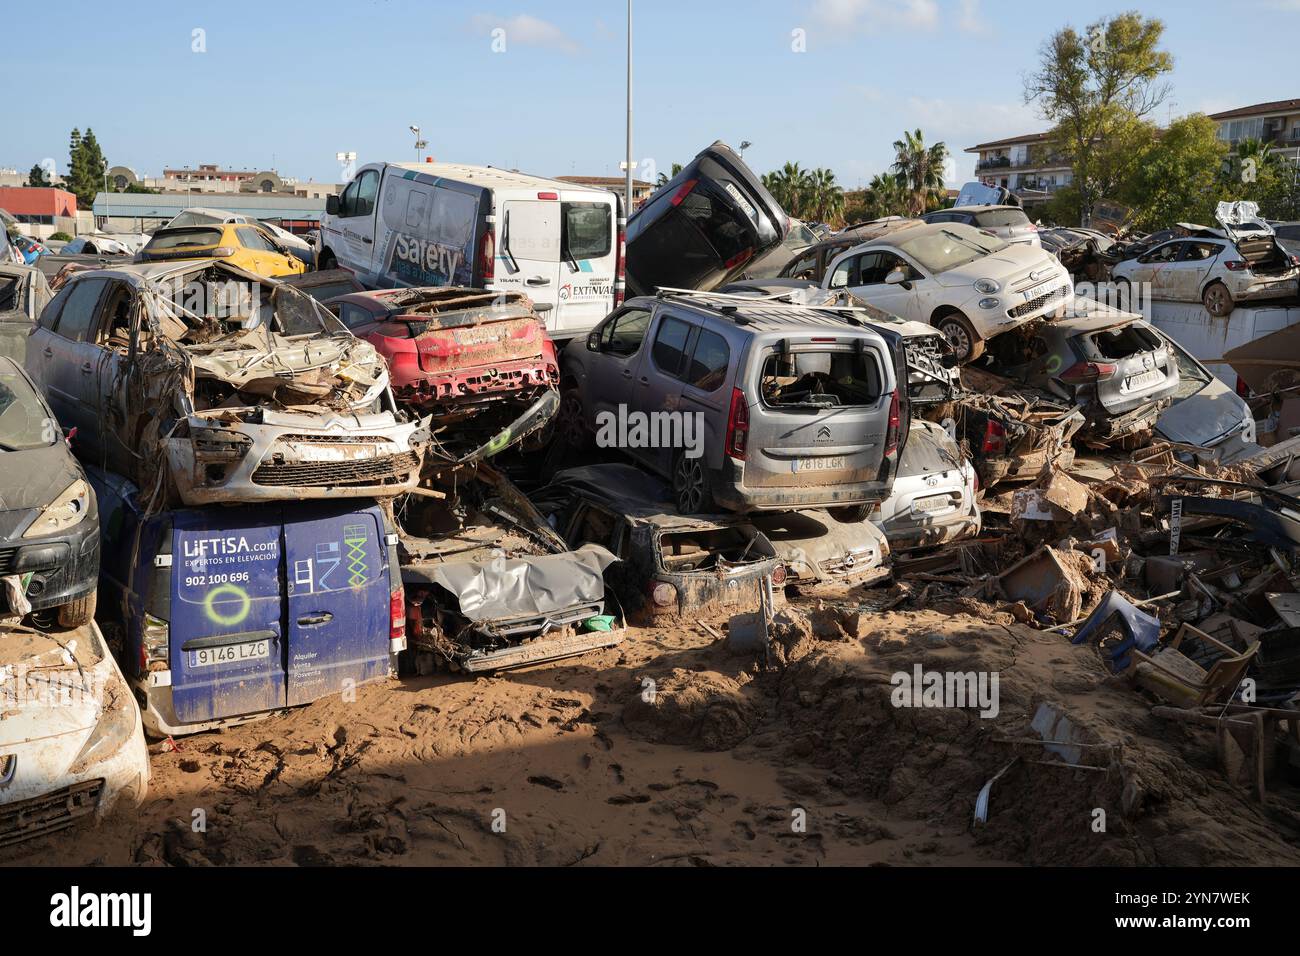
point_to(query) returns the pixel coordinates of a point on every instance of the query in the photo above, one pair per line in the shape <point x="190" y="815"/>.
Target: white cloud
<point x="970" y="19"/>
<point x="874" y="15"/>
<point x="527" y="30"/>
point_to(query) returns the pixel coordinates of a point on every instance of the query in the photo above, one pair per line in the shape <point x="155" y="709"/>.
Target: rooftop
<point x="1011" y="141"/>
<point x="1260" y="109"/>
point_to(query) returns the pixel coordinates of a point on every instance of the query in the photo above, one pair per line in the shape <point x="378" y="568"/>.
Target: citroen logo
<point x="824" y="433"/>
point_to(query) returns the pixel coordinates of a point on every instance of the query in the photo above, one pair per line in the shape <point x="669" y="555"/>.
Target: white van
<point x="435" y="224"/>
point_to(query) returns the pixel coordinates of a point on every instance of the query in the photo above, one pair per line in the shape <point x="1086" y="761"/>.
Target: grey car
<point x="758" y="406"/>
<point x="1008" y="223"/>
<point x="23" y="294"/>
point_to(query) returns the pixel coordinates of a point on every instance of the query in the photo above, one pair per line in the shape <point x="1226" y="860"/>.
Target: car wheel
<point x="960" y="334"/>
<point x="851" y="514"/>
<point x="1217" y="299"/>
<point x="691" y="485"/>
<point x="327" y="262"/>
<point x="570" y="423"/>
<point x="78" y="612"/>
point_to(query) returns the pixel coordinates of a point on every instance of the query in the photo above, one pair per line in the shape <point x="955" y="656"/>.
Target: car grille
<point x="7" y="557"/>
<point x="29" y="819"/>
<point x="393" y="469"/>
<point x="1033" y="305"/>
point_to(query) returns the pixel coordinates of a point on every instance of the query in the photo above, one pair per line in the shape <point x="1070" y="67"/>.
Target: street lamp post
<point x="419" y="143"/>
<point x="627" y="195"/>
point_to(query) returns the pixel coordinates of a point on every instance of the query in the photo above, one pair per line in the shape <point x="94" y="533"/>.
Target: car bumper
<point x="63" y="567"/>
<point x="1260" y="288"/>
<point x="731" y="492"/>
<point x="908" y="531"/>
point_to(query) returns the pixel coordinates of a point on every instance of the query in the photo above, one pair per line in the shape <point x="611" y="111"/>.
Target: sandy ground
<point x="803" y="760"/>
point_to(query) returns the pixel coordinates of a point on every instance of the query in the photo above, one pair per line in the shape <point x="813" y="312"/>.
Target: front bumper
<point x="62" y="567"/>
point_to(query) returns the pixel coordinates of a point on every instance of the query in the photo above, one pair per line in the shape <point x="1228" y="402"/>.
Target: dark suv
<point x="703" y="227"/>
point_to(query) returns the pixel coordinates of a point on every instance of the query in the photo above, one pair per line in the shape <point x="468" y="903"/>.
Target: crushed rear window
<point x="1001" y="217"/>
<point x="8" y="293"/>
<point x="706" y="550"/>
<point x="1124" y="341"/>
<point x="183" y="238"/>
<point x="820" y="379"/>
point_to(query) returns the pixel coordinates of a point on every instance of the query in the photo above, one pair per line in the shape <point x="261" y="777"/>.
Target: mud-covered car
<point x="473" y="360"/>
<point x="71" y="743"/>
<point x="49" y="523"/>
<point x="23" y="294"/>
<point x="671" y="564"/>
<point x="817" y="549"/>
<point x="934" y="494"/>
<point x="207" y="384"/>
<point x="1012" y="437"/>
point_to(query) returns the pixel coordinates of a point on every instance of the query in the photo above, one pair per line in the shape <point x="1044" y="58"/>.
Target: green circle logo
<point x="240" y="598"/>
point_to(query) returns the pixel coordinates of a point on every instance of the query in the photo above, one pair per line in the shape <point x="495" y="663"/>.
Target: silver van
<point x="763" y="406"/>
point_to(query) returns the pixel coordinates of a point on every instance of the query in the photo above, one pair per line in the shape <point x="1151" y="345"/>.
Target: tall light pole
<point x="627" y="211"/>
<point x="419" y="143"/>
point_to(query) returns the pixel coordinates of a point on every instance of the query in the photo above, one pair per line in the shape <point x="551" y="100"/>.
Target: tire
<point x="327" y="261"/>
<point x="78" y="612"/>
<point x="851" y="514"/>
<point x="570" y="424"/>
<point x="691" y="491"/>
<point x="1218" y="300"/>
<point x="956" y="328"/>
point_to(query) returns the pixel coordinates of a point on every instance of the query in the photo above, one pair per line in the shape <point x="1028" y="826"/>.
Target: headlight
<point x="64" y="512"/>
<point x="116" y="726"/>
<point x="988" y="286"/>
<point x="990" y="303"/>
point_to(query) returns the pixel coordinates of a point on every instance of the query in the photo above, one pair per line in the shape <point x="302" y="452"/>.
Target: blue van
<point x="227" y="613"/>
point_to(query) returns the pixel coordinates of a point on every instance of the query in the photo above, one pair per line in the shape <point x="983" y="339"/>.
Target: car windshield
<point x="24" y="422"/>
<point x="192" y="218"/>
<point x="182" y="238"/>
<point x="950" y="248"/>
<point x="994" y="218"/>
<point x="1192" y="377"/>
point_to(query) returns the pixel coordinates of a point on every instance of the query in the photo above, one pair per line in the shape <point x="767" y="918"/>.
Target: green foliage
<point x="1177" y="176"/>
<point x="37" y="176"/>
<point x="811" y="195"/>
<point x="61" y="236"/>
<point x="86" y="167"/>
<point x="919" y="172"/>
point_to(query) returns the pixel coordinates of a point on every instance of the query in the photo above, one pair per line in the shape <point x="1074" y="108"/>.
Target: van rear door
<point x="227" y="646"/>
<point x="338" y="600"/>
<point x="528" y="254"/>
<point x="588" y="261"/>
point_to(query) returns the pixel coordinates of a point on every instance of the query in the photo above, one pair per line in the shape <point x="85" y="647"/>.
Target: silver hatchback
<point x="748" y="407"/>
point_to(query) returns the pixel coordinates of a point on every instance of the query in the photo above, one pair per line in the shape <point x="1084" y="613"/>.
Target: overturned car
<point x="207" y="384"/>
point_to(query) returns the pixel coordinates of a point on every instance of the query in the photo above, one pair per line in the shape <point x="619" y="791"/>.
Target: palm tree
<point x="826" y="198"/>
<point x="790" y="187"/>
<point x="885" y="196"/>
<point x="919" y="170"/>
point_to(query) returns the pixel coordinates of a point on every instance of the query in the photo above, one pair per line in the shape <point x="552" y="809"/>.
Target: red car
<point x="473" y="360"/>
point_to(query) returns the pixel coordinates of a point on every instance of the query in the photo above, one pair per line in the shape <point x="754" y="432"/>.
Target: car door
<point x="659" y="382"/>
<point x="530" y="252"/>
<point x="1157" y="266"/>
<point x="67" y="356"/>
<point x="610" y="371"/>
<point x="263" y="255"/>
<point x="1189" y="274"/>
<point x="356" y="225"/>
<point x="101" y="396"/>
<point x="873" y="268"/>
<point x="336" y="560"/>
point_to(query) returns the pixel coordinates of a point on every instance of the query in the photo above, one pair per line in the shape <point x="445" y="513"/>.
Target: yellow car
<point x="240" y="244"/>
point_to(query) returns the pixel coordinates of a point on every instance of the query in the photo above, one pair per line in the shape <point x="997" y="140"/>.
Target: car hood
<point x="37" y="670"/>
<point x="19" y="494"/>
<point x="1205" y="416"/>
<point x="1006" y="265"/>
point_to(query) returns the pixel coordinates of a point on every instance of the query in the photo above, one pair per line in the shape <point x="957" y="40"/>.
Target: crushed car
<point x="670" y="565"/>
<point x="49" y="523"/>
<point x="207" y="384"/>
<point x="71" y="745"/>
<point x="934" y="496"/>
<point x="1242" y="261"/>
<point x="23" y="294"/>
<point x="473" y="360"/>
<point x="818" y="550"/>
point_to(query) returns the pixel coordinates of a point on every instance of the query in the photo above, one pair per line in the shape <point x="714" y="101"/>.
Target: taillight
<point x="738" y="258"/>
<point x="487" y="257"/>
<point x="684" y="191"/>
<point x="738" y="426"/>
<point x="1086" y="373"/>
<point x="1236" y="265"/>
<point x="397" y="615"/>
<point x="155" y="642"/>
<point x="1242" y="388"/>
<point x="891" y="435"/>
<point x="620" y="265"/>
<point x="995" y="439"/>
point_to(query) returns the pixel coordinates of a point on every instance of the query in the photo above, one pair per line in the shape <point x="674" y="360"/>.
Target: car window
<point x="720" y="223"/>
<point x="8" y="293"/>
<point x="586" y="230"/>
<point x="1165" y="253"/>
<point x="367" y="189"/>
<point x="24" y="419"/>
<point x="1198" y="251"/>
<point x="353" y="316"/>
<point x="250" y="238"/>
<point x="623" y="334"/>
<point x="805" y="268"/>
<point x="78" y="313"/>
<point x="951" y="247"/>
<point x="846" y="273"/>
<point x="995" y="218"/>
<point x="183" y="238"/>
<point x="669" y="351"/>
<point x="820" y="379"/>
<point x="114" y="328"/>
<point x="709" y="362"/>
<point x="875" y="267"/>
<point x="348" y="201"/>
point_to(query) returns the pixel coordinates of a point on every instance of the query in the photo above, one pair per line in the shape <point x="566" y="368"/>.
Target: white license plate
<point x="1038" y="290"/>
<point x="230" y="654"/>
<point x="802" y="465"/>
<point x="1143" y="379"/>
<point x="744" y="203"/>
<point x="933" y="503"/>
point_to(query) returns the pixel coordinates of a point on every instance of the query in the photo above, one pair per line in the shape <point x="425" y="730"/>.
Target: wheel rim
<point x="689" y="482"/>
<point x="570" y="423"/>
<point x="957" y="337"/>
<point x="1216" y="301"/>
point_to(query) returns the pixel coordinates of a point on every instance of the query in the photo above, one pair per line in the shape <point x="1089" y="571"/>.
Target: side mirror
<point x="332" y="205"/>
<point x="593" y="340"/>
<point x="897" y="277"/>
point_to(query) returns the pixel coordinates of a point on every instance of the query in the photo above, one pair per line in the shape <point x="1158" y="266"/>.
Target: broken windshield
<point x="821" y="379"/>
<point x="24" y="422"/>
<point x="950" y="248"/>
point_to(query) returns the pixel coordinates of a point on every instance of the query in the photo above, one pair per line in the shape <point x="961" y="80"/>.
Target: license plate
<point x="801" y="465"/>
<point x="339" y="452"/>
<point x="1036" y="291"/>
<point x="741" y="201"/>
<point x="230" y="654"/>
<point x="1143" y="379"/>
<point x="933" y="503"/>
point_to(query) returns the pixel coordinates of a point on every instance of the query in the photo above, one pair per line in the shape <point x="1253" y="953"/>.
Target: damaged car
<point x="207" y="384"/>
<point x="23" y="294"/>
<point x="670" y="564"/>
<point x="815" y="549"/>
<point x="71" y="743"/>
<point x="49" y="523"/>
<point x="1242" y="261"/>
<point x="934" y="497"/>
<point x="473" y="360"/>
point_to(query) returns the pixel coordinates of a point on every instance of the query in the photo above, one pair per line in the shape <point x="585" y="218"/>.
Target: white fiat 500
<point x="968" y="284"/>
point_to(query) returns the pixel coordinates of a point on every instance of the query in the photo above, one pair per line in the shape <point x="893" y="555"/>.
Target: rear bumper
<point x="1103" y="426"/>
<point x="434" y="391"/>
<point x="906" y="531"/>
<point x="731" y="492"/>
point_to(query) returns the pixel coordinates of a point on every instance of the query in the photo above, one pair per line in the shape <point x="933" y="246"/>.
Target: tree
<point x="37" y="176"/>
<point x="791" y="187"/>
<point x="825" y="197"/>
<point x="662" y="179"/>
<point x="882" y="197"/>
<point x="1098" y="87"/>
<point x="86" y="167"/>
<point x="919" y="171"/>
<point x="1177" y="176"/>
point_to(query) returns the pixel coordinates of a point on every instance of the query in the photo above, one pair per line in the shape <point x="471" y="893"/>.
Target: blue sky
<point x="287" y="85"/>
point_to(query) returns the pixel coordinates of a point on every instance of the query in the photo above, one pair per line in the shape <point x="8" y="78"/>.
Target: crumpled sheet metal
<point x="507" y="588"/>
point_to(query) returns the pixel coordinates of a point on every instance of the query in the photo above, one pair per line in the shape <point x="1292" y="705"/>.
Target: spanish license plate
<point x="801" y="465"/>
<point x="741" y="201"/>
<point x="1143" y="379"/>
<point x="933" y="503"/>
<point x="1036" y="291"/>
<point x="230" y="654"/>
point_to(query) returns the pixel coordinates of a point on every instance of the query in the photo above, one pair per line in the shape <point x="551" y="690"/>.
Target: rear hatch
<point x="1253" y="237"/>
<point x="716" y="565"/>
<point x="190" y="242"/>
<point x="1011" y="225"/>
<point x="1130" y="366"/>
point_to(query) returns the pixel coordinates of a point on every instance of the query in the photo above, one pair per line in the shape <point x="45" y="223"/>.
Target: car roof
<point x="493" y="178"/>
<point x="976" y="209"/>
<point x="771" y="317"/>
